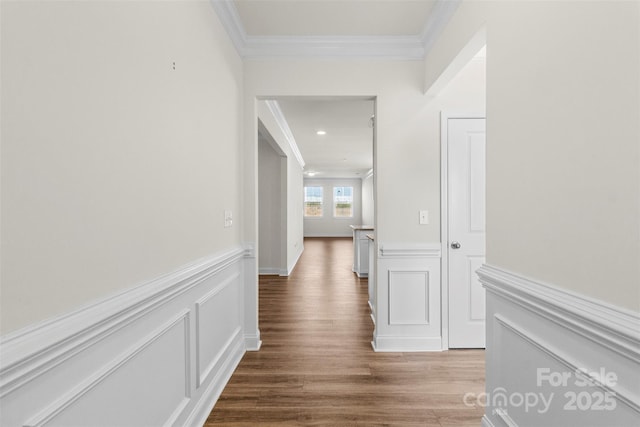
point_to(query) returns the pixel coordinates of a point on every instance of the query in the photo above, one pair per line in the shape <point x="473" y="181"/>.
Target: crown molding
<point x="439" y="17"/>
<point x="413" y="47"/>
<point x="230" y="20"/>
<point x="274" y="107"/>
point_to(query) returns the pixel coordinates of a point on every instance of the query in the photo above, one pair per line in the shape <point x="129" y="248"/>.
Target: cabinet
<point x="361" y="249"/>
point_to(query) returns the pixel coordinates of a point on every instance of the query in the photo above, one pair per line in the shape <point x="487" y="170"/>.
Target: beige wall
<point x="272" y="209"/>
<point x="407" y="160"/>
<point x="115" y="168"/>
<point x="563" y="132"/>
<point x="291" y="215"/>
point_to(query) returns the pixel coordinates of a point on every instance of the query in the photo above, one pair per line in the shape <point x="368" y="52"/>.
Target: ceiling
<point x="333" y="17"/>
<point x="388" y="29"/>
<point x="394" y="29"/>
<point x="346" y="150"/>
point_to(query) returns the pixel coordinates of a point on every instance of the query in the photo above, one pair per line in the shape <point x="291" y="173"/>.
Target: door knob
<point x="455" y="245"/>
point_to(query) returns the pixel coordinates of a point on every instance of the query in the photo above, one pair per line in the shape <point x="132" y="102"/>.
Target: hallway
<point x="316" y="365"/>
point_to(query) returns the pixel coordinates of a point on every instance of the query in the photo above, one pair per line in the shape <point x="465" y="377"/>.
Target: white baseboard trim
<point x="57" y="370"/>
<point x="405" y="344"/>
<point x="345" y="234"/>
<point x="252" y="342"/>
<point x="537" y="331"/>
<point x="269" y="271"/>
<point x="293" y="264"/>
<point x="210" y="396"/>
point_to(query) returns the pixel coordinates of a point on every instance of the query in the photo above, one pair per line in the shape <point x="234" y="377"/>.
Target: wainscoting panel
<point x="217" y="307"/>
<point x="160" y="353"/>
<point x="407" y="298"/>
<point x="555" y="358"/>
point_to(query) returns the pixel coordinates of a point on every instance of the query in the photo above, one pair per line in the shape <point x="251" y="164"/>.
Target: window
<point x="312" y="202"/>
<point x="343" y="202"/>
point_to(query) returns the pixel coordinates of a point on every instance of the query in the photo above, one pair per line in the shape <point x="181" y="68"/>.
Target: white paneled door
<point x="466" y="245"/>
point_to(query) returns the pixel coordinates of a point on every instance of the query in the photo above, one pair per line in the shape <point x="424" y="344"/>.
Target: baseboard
<point x="252" y="342"/>
<point x="345" y="234"/>
<point x="541" y="337"/>
<point x="204" y="406"/>
<point x="293" y="264"/>
<point x="405" y="344"/>
<point x="182" y="333"/>
<point x="269" y="271"/>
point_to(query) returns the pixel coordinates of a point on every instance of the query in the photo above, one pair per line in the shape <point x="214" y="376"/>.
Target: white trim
<point x="438" y="18"/>
<point x="230" y="19"/>
<point x="205" y="405"/>
<point x="368" y="175"/>
<point x="329" y="234"/>
<point x="250" y="299"/>
<point x="34" y="350"/>
<point x="506" y="419"/>
<point x="47" y="368"/>
<point x="203" y="374"/>
<point x="252" y="342"/>
<point x="560" y="356"/>
<point x="412" y="47"/>
<point x="391" y="284"/>
<point x="269" y="271"/>
<point x="486" y="422"/>
<point x="278" y="115"/>
<point x="71" y="396"/>
<point x="404" y="250"/>
<point x="407" y="344"/>
<point x="532" y="324"/>
<point x="613" y="327"/>
<point x="444" y="211"/>
<point x="293" y="265"/>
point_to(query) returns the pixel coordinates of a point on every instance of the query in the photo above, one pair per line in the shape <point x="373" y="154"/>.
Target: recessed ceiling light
<point x="321" y="132"/>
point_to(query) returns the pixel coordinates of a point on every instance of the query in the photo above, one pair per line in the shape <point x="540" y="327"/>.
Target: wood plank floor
<point x="316" y="365"/>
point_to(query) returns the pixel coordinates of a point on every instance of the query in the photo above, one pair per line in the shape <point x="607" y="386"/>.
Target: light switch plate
<point x="424" y="217"/>
<point x="228" y="218"/>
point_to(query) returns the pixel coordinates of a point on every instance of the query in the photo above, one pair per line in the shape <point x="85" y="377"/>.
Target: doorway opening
<point x="316" y="173"/>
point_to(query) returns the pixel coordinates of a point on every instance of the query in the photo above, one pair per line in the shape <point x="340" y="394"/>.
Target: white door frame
<point x="444" y="215"/>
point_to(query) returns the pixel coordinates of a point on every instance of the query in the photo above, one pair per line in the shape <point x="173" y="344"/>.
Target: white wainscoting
<point x="407" y="298"/>
<point x="156" y="354"/>
<point x="539" y="337"/>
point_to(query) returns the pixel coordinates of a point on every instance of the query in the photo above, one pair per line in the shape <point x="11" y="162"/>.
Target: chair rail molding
<point x="182" y="332"/>
<point x="537" y="331"/>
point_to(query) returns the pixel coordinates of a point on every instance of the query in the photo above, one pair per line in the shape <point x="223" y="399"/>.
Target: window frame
<point x="304" y="202"/>
<point x="335" y="202"/>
